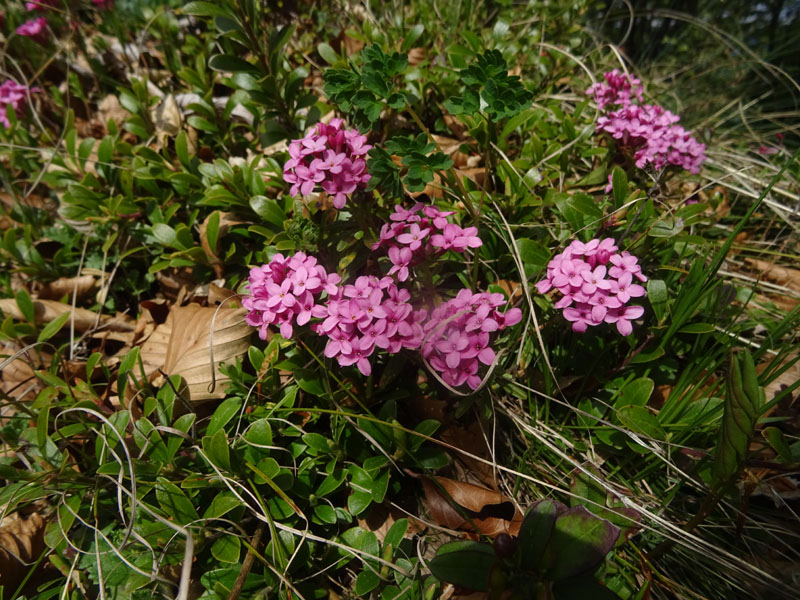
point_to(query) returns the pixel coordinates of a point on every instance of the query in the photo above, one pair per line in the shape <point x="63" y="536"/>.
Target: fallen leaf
<point x="416" y="56"/>
<point x="380" y="518"/>
<point x="110" y="108"/>
<point x="182" y="346"/>
<point x="21" y="543"/>
<point x="478" y="509"/>
<point x="47" y="310"/>
<point x="776" y="274"/>
<point x="167" y="118"/>
<point x="81" y="286"/>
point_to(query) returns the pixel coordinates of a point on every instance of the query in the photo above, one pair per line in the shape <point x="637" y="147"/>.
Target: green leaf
<point x="223" y="503"/>
<point x="657" y="296"/>
<point x="535" y="531"/>
<point x="259" y="433"/>
<point x="697" y="328"/>
<point x="227" y="548"/>
<point x="174" y="502"/>
<point x="207" y="9"/>
<point x="268" y="209"/>
<point x="636" y="393"/>
<point x="744" y="401"/>
<point x="53" y="327"/>
<point x="232" y="64"/>
<point x="778" y="443"/>
<point x="394" y="536"/>
<point x="465" y="564"/>
<point x="25" y="305"/>
<point x="412" y="36"/>
<point x="327" y="53"/>
<point x="358" y="501"/>
<point x="216" y="448"/>
<point x="165" y="234"/>
<point x="366" y="581"/>
<point x="640" y="420"/>
<point x="579" y="543"/>
<point x="223" y="414"/>
<point x="534" y="256"/>
<point x="619" y="183"/>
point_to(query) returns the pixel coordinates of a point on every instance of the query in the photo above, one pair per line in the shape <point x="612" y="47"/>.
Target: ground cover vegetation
<point x="398" y="300"/>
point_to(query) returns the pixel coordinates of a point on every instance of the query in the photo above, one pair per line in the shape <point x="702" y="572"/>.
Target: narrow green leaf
<point x="207" y="9"/>
<point x="53" y="327"/>
<point x="25" y="305"/>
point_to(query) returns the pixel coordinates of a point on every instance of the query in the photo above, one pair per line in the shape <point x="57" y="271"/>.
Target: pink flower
<point x="457" y="335"/>
<point x="426" y="233"/>
<point x="36" y="29"/>
<point x="413" y="238"/>
<point x="328" y="157"/>
<point x="591" y="292"/>
<point x="14" y="95"/>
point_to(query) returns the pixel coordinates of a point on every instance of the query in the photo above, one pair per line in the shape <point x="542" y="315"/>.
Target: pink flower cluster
<point x="284" y="293"/>
<point x="330" y="156"/>
<point x="617" y="89"/>
<point x="648" y="130"/>
<point x="371" y="313"/>
<point x="419" y="233"/>
<point x="12" y="94"/>
<point x="36" y="29"/>
<point x="375" y="313"/>
<point x="457" y="335"/>
<point x="595" y="282"/>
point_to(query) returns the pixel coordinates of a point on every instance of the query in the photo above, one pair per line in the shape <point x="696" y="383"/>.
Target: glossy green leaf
<point x="174" y="502"/>
<point x="224" y="413"/>
<point x="227" y="549"/>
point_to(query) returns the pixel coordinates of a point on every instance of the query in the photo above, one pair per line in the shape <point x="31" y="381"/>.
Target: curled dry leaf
<point x="21" y="543"/>
<point x="64" y="287"/>
<point x="458" y="505"/>
<point x="182" y="346"/>
<point x="47" y="310"/>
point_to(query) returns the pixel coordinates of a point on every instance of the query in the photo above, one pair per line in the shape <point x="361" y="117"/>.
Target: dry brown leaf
<point x="416" y="56"/>
<point x="167" y="118"/>
<point x="21" y="543"/>
<point x="56" y="290"/>
<point x="513" y="289"/>
<point x="491" y="512"/>
<point x="110" y="108"/>
<point x="187" y="333"/>
<point x="776" y="274"/>
<point x="47" y="310"/>
<point x="456" y="127"/>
